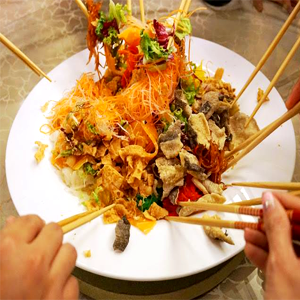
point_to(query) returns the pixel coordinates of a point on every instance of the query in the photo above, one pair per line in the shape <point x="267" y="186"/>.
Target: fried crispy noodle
<point x="87" y="253"/>
<point x="40" y="153"/>
<point x="260" y="94"/>
<point x="122" y="208"/>
<point x="157" y="212"/>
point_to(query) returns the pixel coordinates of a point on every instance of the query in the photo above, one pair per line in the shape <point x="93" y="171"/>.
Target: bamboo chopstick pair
<point x="257" y="201"/>
<point x="264" y="59"/>
<point x="6" y="42"/>
<point x="293" y="215"/>
<point x="290" y="186"/>
<point x="241" y="207"/>
<point x="237" y="208"/>
<point x="232" y="224"/>
<point x="75" y="221"/>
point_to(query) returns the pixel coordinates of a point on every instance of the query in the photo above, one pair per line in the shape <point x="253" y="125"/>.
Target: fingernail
<point x="268" y="201"/>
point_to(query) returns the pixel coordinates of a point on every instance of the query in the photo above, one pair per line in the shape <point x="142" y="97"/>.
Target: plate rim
<point x="104" y="273"/>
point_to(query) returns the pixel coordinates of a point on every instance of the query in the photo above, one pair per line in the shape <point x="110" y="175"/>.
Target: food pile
<point x="152" y="131"/>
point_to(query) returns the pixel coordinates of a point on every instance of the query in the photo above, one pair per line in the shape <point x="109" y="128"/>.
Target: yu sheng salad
<point x="153" y="128"/>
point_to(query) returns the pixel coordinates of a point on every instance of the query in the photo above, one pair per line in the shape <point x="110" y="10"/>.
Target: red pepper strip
<point x="188" y="192"/>
<point x="172" y="209"/>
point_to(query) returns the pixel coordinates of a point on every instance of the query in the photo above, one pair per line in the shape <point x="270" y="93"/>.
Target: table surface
<point x="50" y="31"/>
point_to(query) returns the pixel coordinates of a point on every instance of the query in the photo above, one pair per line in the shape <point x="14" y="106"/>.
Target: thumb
<point x="277" y="227"/>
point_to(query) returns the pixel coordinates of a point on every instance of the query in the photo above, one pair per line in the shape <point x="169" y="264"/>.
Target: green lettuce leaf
<point x="112" y="37"/>
<point x="184" y="28"/>
<point x="151" y="48"/>
<point x="117" y="11"/>
<point x="101" y="21"/>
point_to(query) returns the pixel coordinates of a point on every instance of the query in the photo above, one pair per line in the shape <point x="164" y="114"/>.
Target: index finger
<point x="287" y="200"/>
<point x="25" y="228"/>
<point x="49" y="241"/>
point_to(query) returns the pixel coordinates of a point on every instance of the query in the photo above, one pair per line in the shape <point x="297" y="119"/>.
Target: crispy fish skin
<point x="198" y="131"/>
<point x="171" y="173"/>
<point x="237" y="129"/>
<point x="208" y="198"/>
<point x="122" y="235"/>
<point x="170" y="142"/>
<point x="191" y="164"/>
<point x="218" y="135"/>
<point x="216" y="232"/>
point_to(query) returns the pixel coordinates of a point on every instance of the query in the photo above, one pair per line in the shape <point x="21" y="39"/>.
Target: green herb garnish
<point x="66" y="153"/>
<point x="190" y="88"/>
<point x="88" y="169"/>
<point x="144" y="203"/>
<point x="91" y="128"/>
<point x="112" y="37"/>
<point x="100" y="24"/>
<point x="178" y="113"/>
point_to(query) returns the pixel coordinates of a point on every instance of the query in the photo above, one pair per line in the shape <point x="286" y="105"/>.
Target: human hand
<point x="34" y="264"/>
<point x="273" y="251"/>
<point x="287" y="4"/>
<point x="294" y="97"/>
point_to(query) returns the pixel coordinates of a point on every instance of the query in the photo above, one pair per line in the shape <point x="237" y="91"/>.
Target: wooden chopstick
<point x="6" y="42"/>
<point x="80" y="219"/>
<point x="285" y="117"/>
<point x="215" y="223"/>
<point x="237" y="209"/>
<point x="254" y="201"/>
<point x="269" y="50"/>
<point x="129" y="6"/>
<point x="257" y="201"/>
<point x="187" y="6"/>
<point x="142" y="11"/>
<point x="82" y="7"/>
<point x="73" y="218"/>
<point x="274" y="80"/>
<point x="177" y="19"/>
<point x="293" y="215"/>
<point x="230" y="224"/>
<point x="290" y="186"/>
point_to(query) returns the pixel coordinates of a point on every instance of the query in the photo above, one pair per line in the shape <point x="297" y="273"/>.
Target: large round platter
<point x="170" y="250"/>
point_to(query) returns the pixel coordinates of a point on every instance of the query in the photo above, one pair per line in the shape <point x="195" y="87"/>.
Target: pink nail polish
<point x="268" y="201"/>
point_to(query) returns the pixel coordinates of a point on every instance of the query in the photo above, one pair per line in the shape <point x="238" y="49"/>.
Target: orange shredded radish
<point x="147" y="97"/>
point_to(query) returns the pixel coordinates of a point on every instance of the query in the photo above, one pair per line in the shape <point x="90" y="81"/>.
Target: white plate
<point x="170" y="250"/>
